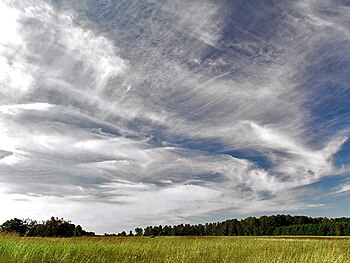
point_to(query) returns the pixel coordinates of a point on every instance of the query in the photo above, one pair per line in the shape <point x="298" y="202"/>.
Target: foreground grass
<point x="174" y="249"/>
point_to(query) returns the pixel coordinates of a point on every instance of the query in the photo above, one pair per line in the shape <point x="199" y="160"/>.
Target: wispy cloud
<point x="14" y="109"/>
<point x="156" y="111"/>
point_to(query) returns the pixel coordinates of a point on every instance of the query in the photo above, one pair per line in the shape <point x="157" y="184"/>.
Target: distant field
<point x="175" y="249"/>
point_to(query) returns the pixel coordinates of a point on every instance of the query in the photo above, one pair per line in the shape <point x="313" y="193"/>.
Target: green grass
<point x="174" y="249"/>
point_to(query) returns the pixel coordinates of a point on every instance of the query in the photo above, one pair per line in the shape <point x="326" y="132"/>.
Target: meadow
<point x="174" y="249"/>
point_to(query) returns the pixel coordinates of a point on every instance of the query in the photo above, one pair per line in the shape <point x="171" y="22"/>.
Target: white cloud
<point x="14" y="109"/>
<point x="15" y="76"/>
<point x="343" y="189"/>
<point x="10" y="160"/>
<point x="9" y="24"/>
<point x="200" y="19"/>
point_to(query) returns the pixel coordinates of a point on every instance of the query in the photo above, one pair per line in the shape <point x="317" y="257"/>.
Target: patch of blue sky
<point x="325" y="83"/>
<point x="342" y="157"/>
<point x="259" y="159"/>
<point x="214" y="148"/>
<point x="328" y="183"/>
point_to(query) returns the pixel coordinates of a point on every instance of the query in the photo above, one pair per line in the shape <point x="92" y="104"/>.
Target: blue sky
<point x="117" y="114"/>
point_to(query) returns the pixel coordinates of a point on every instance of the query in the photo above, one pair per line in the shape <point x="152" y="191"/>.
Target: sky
<point x="117" y="114"/>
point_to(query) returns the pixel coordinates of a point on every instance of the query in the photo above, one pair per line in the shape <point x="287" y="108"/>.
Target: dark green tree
<point x="138" y="231"/>
<point x="14" y="226"/>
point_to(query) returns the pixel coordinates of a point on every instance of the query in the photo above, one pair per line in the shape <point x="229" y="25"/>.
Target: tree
<point x="139" y="231"/>
<point x="78" y="231"/>
<point x="148" y="231"/>
<point x="14" y="226"/>
<point x="33" y="228"/>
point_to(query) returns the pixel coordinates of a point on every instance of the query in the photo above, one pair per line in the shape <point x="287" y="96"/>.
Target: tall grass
<point x="174" y="249"/>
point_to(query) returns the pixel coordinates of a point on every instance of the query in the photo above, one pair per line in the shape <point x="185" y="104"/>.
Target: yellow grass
<point x="175" y="249"/>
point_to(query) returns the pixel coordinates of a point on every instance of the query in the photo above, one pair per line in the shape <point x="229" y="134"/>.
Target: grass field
<point x="175" y="249"/>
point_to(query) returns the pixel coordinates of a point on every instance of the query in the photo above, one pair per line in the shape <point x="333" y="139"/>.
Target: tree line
<point x="54" y="227"/>
<point x="252" y="226"/>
